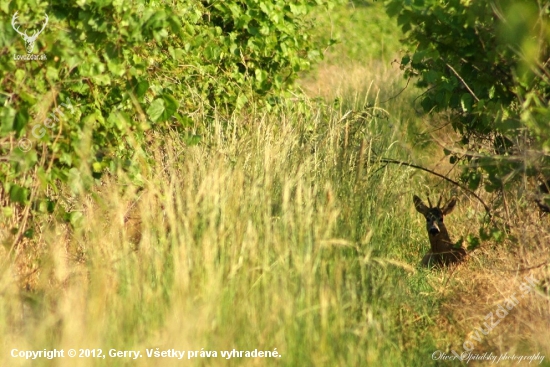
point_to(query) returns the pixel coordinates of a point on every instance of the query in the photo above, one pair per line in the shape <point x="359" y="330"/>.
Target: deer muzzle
<point x="434" y="229"/>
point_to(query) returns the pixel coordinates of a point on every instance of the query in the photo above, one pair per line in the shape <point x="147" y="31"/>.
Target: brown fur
<point x="442" y="251"/>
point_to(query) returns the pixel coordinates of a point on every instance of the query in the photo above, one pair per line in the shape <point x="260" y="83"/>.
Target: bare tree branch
<point x="395" y="161"/>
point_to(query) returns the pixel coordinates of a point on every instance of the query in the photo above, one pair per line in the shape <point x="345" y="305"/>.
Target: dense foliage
<point x="112" y="70"/>
<point x="486" y="63"/>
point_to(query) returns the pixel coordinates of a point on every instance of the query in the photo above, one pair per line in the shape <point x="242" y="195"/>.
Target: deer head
<point x="434" y="215"/>
<point x="29" y="40"/>
<point x="442" y="250"/>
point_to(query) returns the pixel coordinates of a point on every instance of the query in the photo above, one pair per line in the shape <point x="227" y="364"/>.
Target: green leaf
<point x="19" y="194"/>
<point x="7" y="116"/>
<point x="241" y="101"/>
<point x="156" y="109"/>
<point x="466" y="102"/>
<point x="21" y="119"/>
<point x="492" y="92"/>
<point x="473" y="242"/>
<point x="474" y="180"/>
<point x="192" y="139"/>
<point x="509" y="125"/>
<point x="142" y="88"/>
<point x="7" y="211"/>
<point x="29" y="233"/>
<point x="170" y="107"/>
<point x="96" y="167"/>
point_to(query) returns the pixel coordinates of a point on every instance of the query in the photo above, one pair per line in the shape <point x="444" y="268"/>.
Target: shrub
<point x="115" y="69"/>
<point x="486" y="63"/>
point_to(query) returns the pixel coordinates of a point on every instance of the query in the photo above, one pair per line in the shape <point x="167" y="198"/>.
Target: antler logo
<point x="29" y="40"/>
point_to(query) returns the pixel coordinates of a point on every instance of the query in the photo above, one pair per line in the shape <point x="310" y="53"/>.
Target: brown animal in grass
<point x="442" y="251"/>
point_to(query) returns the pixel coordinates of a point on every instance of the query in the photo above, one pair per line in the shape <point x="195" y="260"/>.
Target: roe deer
<point x="442" y="252"/>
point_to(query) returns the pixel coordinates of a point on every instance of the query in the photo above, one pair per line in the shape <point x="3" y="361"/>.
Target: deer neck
<point x="441" y="242"/>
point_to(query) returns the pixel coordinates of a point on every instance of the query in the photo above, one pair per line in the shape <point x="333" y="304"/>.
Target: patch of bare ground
<point x="499" y="300"/>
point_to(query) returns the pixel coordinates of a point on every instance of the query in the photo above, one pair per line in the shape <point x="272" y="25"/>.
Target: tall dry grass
<point x="278" y="230"/>
<point x="266" y="238"/>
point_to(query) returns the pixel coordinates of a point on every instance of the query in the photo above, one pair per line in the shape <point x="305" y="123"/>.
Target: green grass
<point x="285" y="233"/>
<point x="272" y="238"/>
<point x="362" y="30"/>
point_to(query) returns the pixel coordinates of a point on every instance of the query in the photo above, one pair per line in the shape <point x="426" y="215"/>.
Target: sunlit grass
<point x="272" y="239"/>
<point x="278" y="230"/>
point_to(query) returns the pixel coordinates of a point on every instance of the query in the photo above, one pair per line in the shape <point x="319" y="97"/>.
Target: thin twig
<point x="396" y="95"/>
<point x="463" y="82"/>
<point x="524" y="269"/>
<point x="420" y="95"/>
<point x="26" y="213"/>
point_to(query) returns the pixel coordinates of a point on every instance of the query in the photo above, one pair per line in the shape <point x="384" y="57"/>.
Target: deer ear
<point x="448" y="208"/>
<point x="419" y="205"/>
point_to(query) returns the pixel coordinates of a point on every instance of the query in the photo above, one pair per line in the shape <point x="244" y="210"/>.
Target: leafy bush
<point x="486" y="63"/>
<point x="116" y="69"/>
